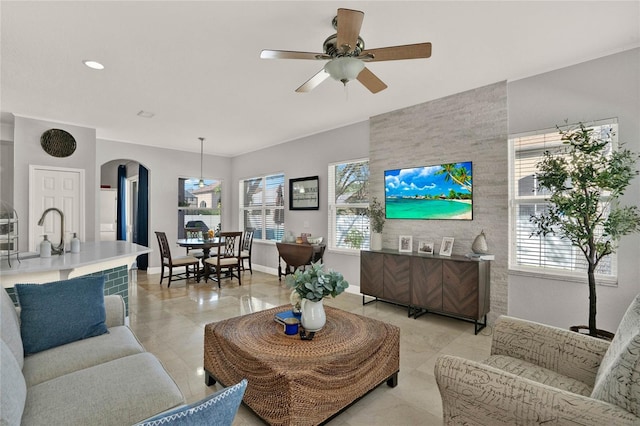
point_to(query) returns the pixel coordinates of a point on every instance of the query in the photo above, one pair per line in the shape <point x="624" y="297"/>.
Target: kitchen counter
<point x="93" y="257"/>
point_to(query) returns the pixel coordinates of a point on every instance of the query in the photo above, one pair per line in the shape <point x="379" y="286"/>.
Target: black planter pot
<point x="600" y="334"/>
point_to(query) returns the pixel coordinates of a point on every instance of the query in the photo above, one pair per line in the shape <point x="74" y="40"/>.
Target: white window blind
<point x="262" y="206"/>
<point x="348" y="201"/>
<point x="549" y="254"/>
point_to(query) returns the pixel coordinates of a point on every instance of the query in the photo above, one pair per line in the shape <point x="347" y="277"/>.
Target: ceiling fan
<point x="346" y="54"/>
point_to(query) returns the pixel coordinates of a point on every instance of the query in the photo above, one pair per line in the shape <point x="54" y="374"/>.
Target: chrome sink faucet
<point x="60" y="248"/>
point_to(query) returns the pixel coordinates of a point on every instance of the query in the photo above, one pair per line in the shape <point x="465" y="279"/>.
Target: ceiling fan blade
<point x="289" y="54"/>
<point x="408" y="51"/>
<point x="313" y="82"/>
<point x="349" y="24"/>
<point x="371" y="81"/>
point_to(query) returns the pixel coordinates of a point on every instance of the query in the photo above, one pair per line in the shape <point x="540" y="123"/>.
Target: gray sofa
<point x="104" y="380"/>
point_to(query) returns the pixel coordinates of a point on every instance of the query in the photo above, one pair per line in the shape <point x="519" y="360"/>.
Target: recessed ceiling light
<point x="145" y="114"/>
<point x="93" y="65"/>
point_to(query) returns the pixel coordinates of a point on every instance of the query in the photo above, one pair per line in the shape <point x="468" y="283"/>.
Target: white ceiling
<point x="196" y="64"/>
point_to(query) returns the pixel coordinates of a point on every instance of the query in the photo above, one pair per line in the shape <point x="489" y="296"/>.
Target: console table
<point x="455" y="286"/>
<point x="296" y="255"/>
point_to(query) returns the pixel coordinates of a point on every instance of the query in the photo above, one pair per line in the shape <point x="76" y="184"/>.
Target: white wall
<point x="165" y="167"/>
<point x="109" y="171"/>
<point x="27" y="151"/>
<point x="6" y="170"/>
<point x="309" y="156"/>
<point x="604" y="88"/>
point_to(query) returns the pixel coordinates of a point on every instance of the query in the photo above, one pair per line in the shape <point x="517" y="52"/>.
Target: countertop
<point x="90" y="254"/>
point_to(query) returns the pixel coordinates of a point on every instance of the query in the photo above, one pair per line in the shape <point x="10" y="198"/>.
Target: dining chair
<point x="194" y="234"/>
<point x="247" y="244"/>
<point x="174" y="262"/>
<point x="227" y="257"/>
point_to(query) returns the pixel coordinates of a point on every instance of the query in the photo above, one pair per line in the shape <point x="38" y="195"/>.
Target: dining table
<point x="204" y="245"/>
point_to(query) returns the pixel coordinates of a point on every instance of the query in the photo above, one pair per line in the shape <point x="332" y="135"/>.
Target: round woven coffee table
<point x="294" y="381"/>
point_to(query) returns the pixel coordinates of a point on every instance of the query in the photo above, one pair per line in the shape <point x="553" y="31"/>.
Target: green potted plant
<point x="310" y="287"/>
<point x="585" y="181"/>
<point x="377" y="218"/>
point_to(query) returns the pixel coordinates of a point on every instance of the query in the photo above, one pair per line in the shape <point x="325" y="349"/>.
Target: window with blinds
<point x="262" y="206"/>
<point x="549" y="254"/>
<point x="348" y="193"/>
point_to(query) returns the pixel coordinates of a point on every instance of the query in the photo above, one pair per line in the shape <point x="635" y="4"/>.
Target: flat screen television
<point x="442" y="191"/>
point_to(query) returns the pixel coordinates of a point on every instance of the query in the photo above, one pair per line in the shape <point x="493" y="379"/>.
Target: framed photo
<point x="405" y="244"/>
<point x="425" y="247"/>
<point x="446" y="247"/>
<point x="303" y="193"/>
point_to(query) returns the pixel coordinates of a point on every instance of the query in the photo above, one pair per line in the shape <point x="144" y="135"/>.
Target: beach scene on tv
<point x="442" y="191"/>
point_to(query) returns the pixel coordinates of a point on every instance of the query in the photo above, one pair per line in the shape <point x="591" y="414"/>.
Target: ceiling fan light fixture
<point x="346" y="56"/>
<point x="344" y="68"/>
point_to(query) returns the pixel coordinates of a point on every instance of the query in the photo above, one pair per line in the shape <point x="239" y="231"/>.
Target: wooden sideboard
<point x="455" y="286"/>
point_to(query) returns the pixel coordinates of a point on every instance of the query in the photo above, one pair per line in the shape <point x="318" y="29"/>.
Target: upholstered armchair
<point x="537" y="374"/>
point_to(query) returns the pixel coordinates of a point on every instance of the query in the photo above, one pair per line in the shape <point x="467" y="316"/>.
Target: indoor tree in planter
<point x="585" y="181"/>
<point x="377" y="218"/>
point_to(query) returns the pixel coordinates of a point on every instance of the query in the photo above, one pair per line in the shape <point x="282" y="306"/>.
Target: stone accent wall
<point x="469" y="126"/>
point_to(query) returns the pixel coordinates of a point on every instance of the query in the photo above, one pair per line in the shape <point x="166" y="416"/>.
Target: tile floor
<point x="170" y="323"/>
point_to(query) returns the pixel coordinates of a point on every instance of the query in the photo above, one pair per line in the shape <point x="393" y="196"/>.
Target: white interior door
<point x="55" y="187"/>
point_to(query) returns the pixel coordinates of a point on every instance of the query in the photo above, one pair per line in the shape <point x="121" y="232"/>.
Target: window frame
<point x="181" y="209"/>
<point x="333" y="207"/>
<point x="265" y="206"/>
<point x="576" y="274"/>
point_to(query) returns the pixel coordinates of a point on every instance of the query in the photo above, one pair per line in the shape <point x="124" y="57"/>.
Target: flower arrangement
<point x="314" y="284"/>
<point x="376" y="214"/>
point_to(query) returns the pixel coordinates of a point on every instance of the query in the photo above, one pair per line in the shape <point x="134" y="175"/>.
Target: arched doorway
<point x="124" y="204"/>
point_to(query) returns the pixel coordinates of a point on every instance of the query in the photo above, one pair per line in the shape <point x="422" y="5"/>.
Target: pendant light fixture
<point x="201" y="183"/>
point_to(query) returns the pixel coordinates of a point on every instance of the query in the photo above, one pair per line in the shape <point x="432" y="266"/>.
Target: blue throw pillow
<point x="60" y="312"/>
<point x="217" y="409"/>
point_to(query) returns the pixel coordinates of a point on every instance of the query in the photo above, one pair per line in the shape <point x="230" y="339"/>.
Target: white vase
<point x="479" y="245"/>
<point x="376" y="241"/>
<point x="313" y="316"/>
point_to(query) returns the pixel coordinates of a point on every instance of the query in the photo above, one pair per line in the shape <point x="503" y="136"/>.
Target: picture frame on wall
<point x="304" y="194"/>
<point x="405" y="244"/>
<point x="425" y="247"/>
<point x="446" y="247"/>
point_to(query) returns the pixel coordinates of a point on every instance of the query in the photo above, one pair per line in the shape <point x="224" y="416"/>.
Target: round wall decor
<point x="58" y="143"/>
